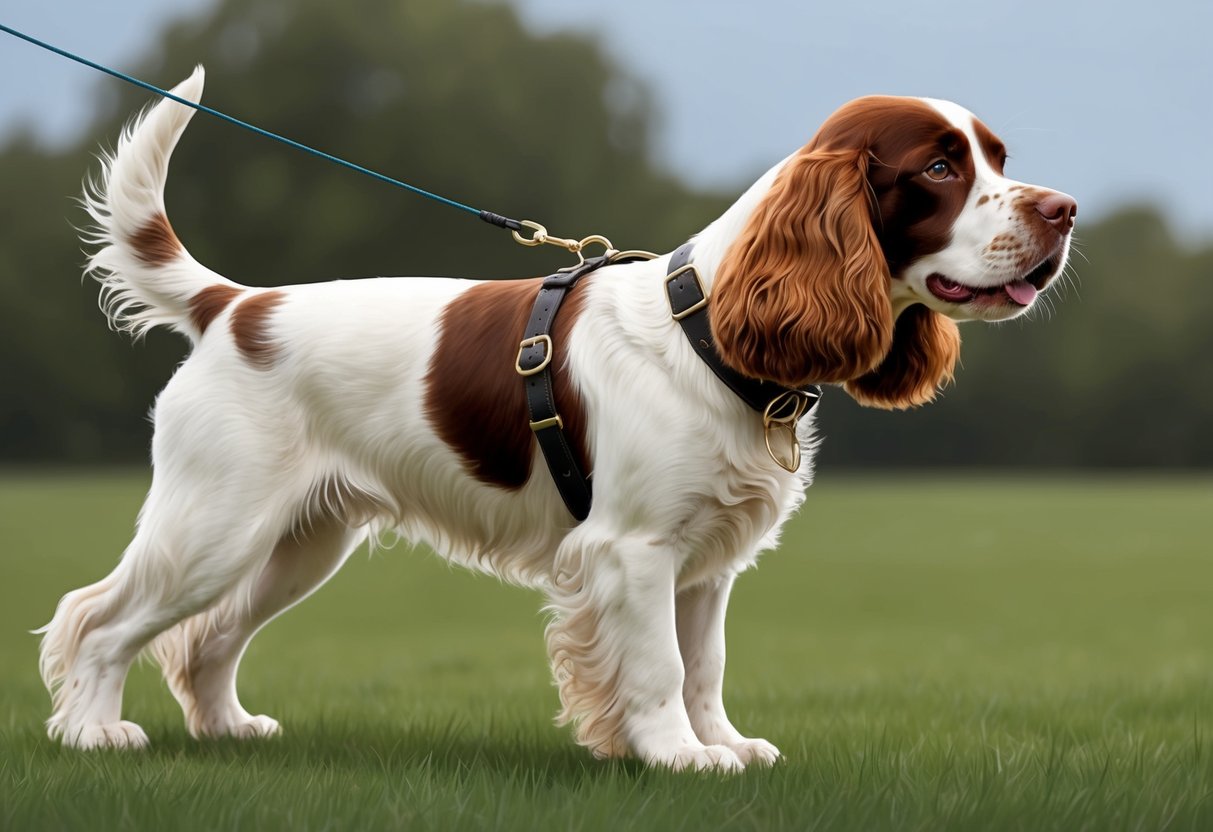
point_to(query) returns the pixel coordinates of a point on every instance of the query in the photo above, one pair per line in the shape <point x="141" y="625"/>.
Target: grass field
<point x="928" y="653"/>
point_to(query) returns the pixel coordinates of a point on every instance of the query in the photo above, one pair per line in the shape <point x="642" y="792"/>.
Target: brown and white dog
<point x="310" y="417"/>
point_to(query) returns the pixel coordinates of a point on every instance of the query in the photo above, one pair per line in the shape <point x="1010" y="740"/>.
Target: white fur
<point x="267" y="478"/>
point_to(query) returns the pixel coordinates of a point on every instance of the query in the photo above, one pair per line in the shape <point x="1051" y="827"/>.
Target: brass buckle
<point x="554" y="421"/>
<point x="544" y="339"/>
<point x="690" y="310"/>
<point x="780" y="418"/>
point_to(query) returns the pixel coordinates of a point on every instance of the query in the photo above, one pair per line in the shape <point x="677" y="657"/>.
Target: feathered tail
<point x="147" y="277"/>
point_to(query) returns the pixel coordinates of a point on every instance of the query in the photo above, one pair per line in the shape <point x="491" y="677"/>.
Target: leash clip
<point x="541" y="237"/>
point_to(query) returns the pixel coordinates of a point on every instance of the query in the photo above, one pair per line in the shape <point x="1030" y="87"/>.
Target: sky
<point x="1106" y="100"/>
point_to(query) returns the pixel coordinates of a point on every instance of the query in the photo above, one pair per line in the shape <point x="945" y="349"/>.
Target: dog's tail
<point x="147" y="277"/>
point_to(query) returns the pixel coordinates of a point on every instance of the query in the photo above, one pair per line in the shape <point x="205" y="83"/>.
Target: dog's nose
<point x="1059" y="210"/>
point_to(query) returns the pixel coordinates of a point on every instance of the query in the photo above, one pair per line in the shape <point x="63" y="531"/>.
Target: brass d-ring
<point x="780" y="417"/>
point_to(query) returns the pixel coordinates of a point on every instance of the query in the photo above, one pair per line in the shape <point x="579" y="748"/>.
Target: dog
<point x="310" y="418"/>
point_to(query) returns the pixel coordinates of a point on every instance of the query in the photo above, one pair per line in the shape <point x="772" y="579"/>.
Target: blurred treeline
<point x="459" y="98"/>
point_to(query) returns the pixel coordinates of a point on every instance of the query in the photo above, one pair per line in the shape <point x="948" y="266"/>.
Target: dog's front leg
<point x="701" y="611"/>
<point x="614" y="649"/>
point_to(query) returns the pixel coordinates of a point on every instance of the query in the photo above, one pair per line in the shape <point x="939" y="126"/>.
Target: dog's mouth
<point x="1021" y="291"/>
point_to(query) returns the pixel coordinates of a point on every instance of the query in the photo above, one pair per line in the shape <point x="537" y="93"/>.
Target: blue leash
<point x="488" y="216"/>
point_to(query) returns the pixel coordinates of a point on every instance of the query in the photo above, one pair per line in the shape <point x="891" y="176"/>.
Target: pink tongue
<point x="1021" y="291"/>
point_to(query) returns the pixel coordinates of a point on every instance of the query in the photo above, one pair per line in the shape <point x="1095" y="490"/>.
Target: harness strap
<point x="534" y="363"/>
<point x="781" y="407"/>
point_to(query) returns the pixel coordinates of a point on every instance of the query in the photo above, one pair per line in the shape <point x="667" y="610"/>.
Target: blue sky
<point x="1109" y="101"/>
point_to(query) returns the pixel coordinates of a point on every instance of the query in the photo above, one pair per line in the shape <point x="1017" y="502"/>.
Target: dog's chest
<point x="736" y="520"/>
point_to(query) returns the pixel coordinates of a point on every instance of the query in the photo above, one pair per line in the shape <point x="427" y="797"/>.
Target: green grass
<point x="928" y="653"/>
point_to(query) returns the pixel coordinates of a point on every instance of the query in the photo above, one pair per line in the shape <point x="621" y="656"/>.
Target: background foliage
<point x="459" y="98"/>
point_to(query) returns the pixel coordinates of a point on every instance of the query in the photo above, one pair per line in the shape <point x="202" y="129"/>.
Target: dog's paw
<point x="121" y="734"/>
<point x="243" y="727"/>
<point x="254" y="727"/>
<point x="756" y="752"/>
<point x="700" y="758"/>
<point x="257" y="726"/>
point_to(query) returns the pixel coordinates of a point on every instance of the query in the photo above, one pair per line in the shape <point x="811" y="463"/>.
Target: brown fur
<point x="475" y="399"/>
<point x="993" y="148"/>
<point x="249" y="324"/>
<point x="802" y="294"/>
<point x="156" y="243"/>
<point x="206" y="305"/>
<point x="925" y="348"/>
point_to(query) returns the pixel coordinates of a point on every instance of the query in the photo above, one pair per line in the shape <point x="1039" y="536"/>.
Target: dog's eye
<point x="938" y="170"/>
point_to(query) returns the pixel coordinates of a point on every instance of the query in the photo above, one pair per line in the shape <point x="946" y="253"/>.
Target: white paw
<point x="257" y="726"/>
<point x="241" y="727"/>
<point x="120" y="734"/>
<point x="700" y="758"/>
<point x="756" y="751"/>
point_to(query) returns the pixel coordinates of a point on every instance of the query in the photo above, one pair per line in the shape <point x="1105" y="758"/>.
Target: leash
<point x="781" y="407"/>
<point x="539" y="236"/>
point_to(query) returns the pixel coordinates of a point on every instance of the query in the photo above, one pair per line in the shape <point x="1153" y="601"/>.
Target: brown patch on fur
<point x="249" y="323"/>
<point x="156" y="243"/>
<point x="475" y="399"/>
<point x="921" y="360"/>
<point x="206" y="305"/>
<point x="983" y="200"/>
<point x="993" y="148"/>
<point x="913" y="215"/>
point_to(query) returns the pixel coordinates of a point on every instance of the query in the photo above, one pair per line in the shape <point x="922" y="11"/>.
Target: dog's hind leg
<point x="200" y="656"/>
<point x="198" y="538"/>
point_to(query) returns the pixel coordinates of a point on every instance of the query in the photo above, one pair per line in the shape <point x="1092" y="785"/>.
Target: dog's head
<point x="892" y="224"/>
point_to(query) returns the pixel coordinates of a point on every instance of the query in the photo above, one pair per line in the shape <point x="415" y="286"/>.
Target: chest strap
<point x="534" y="363"/>
<point x="781" y="407"/>
<point x="536" y="352"/>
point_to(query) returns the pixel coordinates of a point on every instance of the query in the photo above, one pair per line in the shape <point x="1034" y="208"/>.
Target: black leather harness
<point x="534" y="364"/>
<point x="781" y="407"/>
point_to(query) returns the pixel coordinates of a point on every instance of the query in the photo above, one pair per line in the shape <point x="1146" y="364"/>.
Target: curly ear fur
<point x="802" y="294"/>
<point x="924" y="352"/>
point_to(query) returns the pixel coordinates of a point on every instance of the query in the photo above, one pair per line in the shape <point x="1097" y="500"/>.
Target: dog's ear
<point x="802" y="295"/>
<point x="921" y="360"/>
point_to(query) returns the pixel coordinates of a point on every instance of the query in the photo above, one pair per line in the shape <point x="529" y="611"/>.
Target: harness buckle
<point x="527" y="343"/>
<point x="678" y="315"/>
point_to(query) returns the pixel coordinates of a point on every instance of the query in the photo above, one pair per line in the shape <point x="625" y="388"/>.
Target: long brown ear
<point x="802" y="294"/>
<point x="921" y="360"/>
